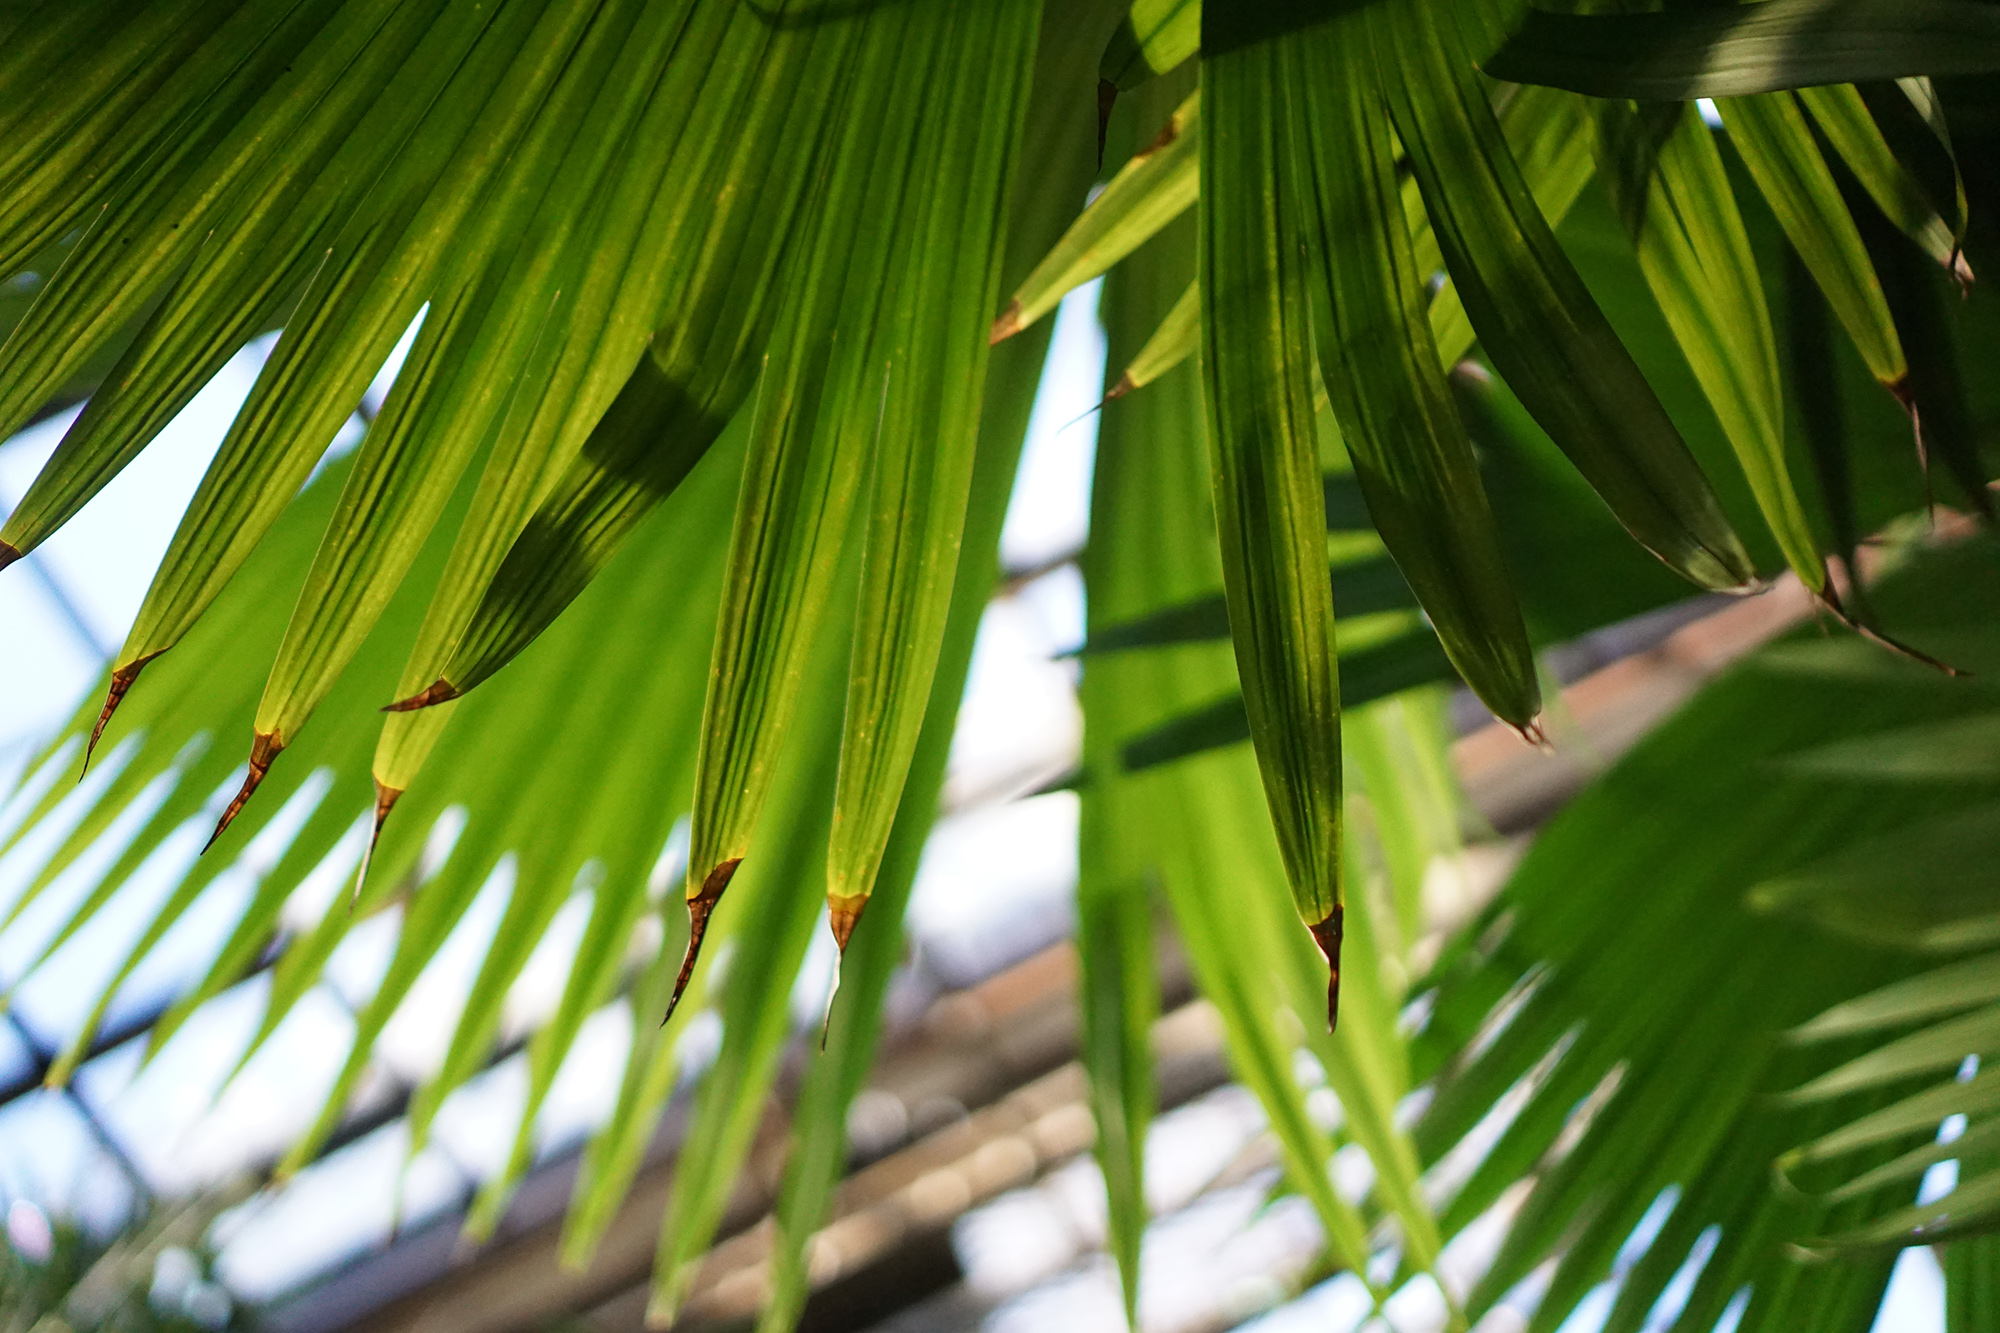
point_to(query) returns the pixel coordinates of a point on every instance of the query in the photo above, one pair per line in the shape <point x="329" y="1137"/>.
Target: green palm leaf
<point x="701" y="296"/>
<point x="1691" y="949"/>
<point x="1755" y="48"/>
<point x="1269" y="515"/>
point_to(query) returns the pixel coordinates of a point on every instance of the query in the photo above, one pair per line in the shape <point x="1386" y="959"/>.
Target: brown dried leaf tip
<point x="699" y="908"/>
<point x="264" y="748"/>
<point x="1121" y="388"/>
<point x="1007" y="325"/>
<point x="437" y="692"/>
<point x="843" y="910"/>
<point x="9" y="553"/>
<point x="121" y="681"/>
<point x="1534" y="735"/>
<point x="1960" y="271"/>
<point x="1327" y="934"/>
<point x="385" y="801"/>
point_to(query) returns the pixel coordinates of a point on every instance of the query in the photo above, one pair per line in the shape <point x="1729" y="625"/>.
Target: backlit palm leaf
<point x="690" y="281"/>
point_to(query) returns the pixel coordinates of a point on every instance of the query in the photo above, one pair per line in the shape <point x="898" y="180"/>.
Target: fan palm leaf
<point x="698" y="299"/>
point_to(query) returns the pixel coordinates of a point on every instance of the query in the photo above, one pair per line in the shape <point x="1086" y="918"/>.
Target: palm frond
<point x="1609" y="1116"/>
<point x="687" y="497"/>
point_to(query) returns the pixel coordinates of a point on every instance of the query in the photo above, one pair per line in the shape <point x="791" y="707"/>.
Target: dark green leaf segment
<point x="1270" y="509"/>
<point x="1730" y="50"/>
<point x="1534" y="316"/>
<point x="1380" y="362"/>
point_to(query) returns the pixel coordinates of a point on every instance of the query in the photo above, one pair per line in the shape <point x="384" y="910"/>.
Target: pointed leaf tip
<point x="8" y="554"/>
<point x="1961" y="272"/>
<point x="1830" y="601"/>
<point x="699" y="908"/>
<point x="385" y="801"/>
<point x="1327" y="934"/>
<point x="843" y="911"/>
<point x="1007" y="325"/>
<point x="1121" y="388"/>
<point x="264" y="748"/>
<point x="121" y="681"/>
<point x="1906" y="397"/>
<point x="437" y="692"/>
<point x="826" y="1018"/>
<point x="1899" y="389"/>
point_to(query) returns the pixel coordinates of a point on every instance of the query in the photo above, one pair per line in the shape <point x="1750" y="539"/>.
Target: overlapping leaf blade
<point x="1155" y="36"/>
<point x="1038" y="211"/>
<point x="1269" y="512"/>
<point x="1684" y="933"/>
<point x="813" y="433"/>
<point x="1771" y="132"/>
<point x="1380" y="366"/>
<point x="1843" y="117"/>
<point x="1668" y="184"/>
<point x="1684" y="53"/>
<point x="358" y="305"/>
<point x="703" y="137"/>
<point x="275" y="194"/>
<point x="1540" y="325"/>
<point x="484" y="331"/>
<point x="1151" y="190"/>
<point x="698" y="372"/>
<point x="914" y="517"/>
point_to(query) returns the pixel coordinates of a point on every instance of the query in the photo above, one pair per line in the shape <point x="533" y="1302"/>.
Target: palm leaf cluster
<point x="687" y="495"/>
<point x="1738" y="879"/>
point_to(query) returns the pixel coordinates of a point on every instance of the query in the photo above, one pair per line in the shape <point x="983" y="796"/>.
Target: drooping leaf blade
<point x="1771" y="132"/>
<point x="1843" y="117"/>
<point x="1380" y="366"/>
<point x="1270" y="512"/>
<point x="914" y="515"/>
<point x="1668" y="184"/>
<point x="1539" y="323"/>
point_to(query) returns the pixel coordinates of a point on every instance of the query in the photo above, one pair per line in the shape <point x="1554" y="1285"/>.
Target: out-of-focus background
<point x="973" y="1203"/>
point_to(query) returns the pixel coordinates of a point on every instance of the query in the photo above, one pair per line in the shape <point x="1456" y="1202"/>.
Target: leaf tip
<point x="1327" y="934"/>
<point x="385" y="801"/>
<point x="843" y="910"/>
<point x="121" y="681"/>
<point x="439" y="691"/>
<point x="1121" y="388"/>
<point x="1899" y="389"/>
<point x="699" y="907"/>
<point x="1830" y="601"/>
<point x="9" y="553"/>
<point x="1007" y="325"/>
<point x="264" y="748"/>
<point x="1956" y="266"/>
